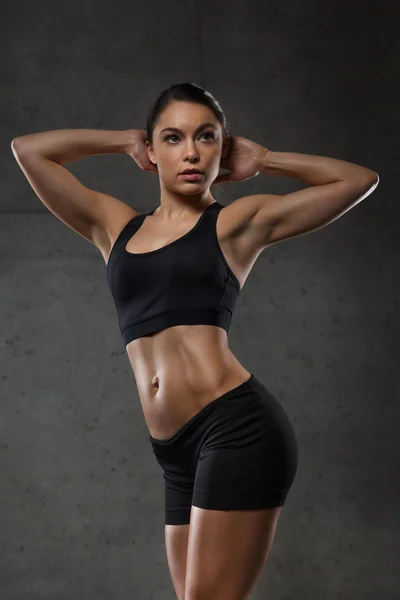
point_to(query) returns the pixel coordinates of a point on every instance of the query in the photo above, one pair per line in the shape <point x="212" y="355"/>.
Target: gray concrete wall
<point x="81" y="503"/>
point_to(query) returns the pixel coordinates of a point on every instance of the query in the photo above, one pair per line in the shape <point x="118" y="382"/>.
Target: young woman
<point x="224" y="442"/>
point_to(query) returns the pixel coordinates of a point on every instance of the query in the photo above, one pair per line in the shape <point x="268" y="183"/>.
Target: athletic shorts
<point x="238" y="453"/>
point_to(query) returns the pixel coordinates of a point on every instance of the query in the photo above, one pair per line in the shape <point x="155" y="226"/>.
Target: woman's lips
<point x="191" y="176"/>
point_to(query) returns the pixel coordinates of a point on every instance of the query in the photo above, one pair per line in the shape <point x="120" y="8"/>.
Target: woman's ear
<point x="150" y="152"/>
<point x="226" y="146"/>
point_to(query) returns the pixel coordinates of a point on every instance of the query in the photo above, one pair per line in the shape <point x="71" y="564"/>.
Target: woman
<point x="226" y="446"/>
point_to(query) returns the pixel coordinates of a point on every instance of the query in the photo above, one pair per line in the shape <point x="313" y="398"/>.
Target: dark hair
<point x="185" y="92"/>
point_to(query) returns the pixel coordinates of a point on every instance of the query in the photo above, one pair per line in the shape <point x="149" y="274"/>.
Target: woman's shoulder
<point x="113" y="217"/>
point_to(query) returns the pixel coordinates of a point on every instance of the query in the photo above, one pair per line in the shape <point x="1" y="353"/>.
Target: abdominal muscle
<point x="180" y="370"/>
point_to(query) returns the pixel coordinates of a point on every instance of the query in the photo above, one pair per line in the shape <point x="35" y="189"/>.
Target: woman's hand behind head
<point x="138" y="151"/>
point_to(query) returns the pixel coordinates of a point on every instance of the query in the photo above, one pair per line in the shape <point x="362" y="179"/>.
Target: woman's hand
<point x="243" y="160"/>
<point x="137" y="150"/>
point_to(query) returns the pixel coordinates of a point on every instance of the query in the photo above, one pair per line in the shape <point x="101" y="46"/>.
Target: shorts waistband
<point x="233" y="393"/>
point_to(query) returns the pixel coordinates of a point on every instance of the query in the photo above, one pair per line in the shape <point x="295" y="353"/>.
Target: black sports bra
<point x="186" y="282"/>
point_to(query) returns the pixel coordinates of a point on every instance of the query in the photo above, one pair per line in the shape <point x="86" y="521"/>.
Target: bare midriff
<point x="179" y="371"/>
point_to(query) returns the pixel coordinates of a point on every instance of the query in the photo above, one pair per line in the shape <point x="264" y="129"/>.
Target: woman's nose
<point x="192" y="153"/>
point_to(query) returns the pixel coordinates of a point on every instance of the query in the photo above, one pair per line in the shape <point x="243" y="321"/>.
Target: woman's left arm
<point x="314" y="170"/>
<point x="335" y="187"/>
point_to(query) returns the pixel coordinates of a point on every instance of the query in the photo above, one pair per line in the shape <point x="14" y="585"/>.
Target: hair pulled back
<point x="185" y="92"/>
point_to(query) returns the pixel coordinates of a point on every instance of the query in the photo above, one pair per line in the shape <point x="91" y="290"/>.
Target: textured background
<point x="81" y="503"/>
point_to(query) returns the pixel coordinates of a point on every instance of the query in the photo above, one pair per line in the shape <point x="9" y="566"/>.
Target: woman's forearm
<point x="66" y="145"/>
<point x="313" y="170"/>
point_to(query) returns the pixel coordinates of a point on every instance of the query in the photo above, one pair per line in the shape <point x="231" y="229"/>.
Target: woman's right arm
<point x="87" y="212"/>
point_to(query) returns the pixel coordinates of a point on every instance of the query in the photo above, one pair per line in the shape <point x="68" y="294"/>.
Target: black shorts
<point x="239" y="452"/>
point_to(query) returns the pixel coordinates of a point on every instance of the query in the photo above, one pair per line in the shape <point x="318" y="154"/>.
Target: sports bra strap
<point x="130" y="228"/>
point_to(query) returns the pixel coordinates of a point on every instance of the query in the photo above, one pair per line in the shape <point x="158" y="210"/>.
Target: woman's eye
<point x="171" y="135"/>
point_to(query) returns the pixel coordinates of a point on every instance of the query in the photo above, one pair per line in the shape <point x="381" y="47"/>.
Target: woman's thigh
<point x="176" y="543"/>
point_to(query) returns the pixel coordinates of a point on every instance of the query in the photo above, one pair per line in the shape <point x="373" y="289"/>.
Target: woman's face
<point x="198" y="144"/>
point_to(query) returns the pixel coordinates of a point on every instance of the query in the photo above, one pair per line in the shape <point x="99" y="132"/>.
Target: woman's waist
<point x="176" y="377"/>
<point x="179" y="397"/>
